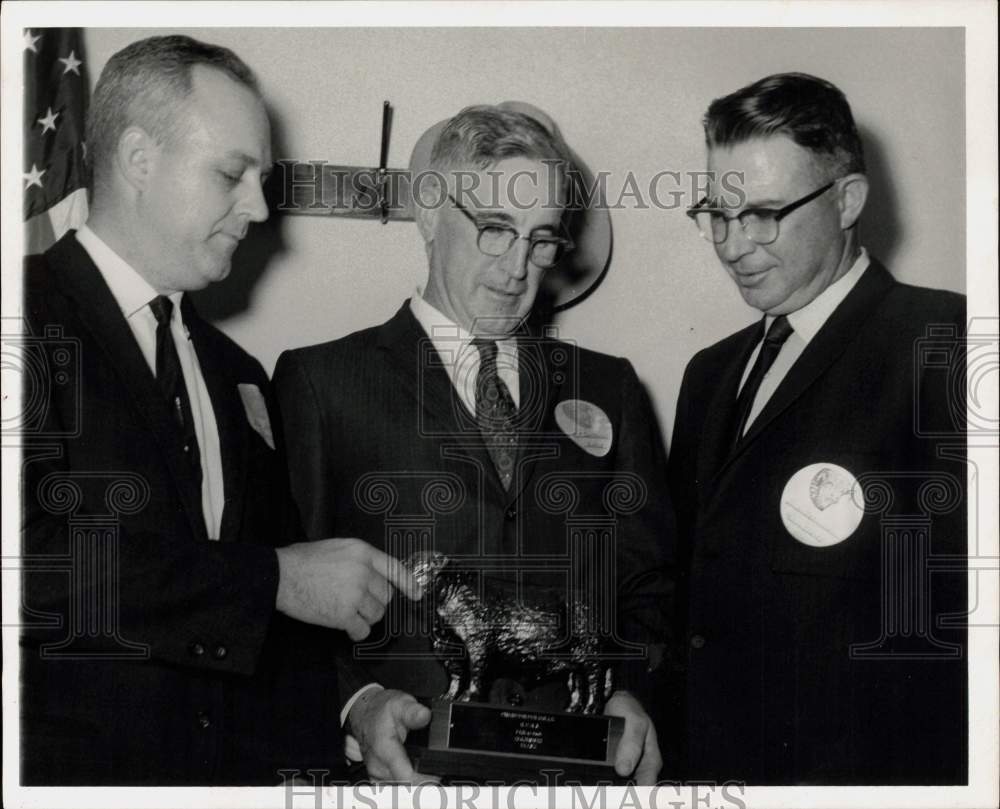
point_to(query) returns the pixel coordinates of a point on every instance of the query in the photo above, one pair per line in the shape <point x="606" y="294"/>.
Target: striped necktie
<point x="495" y="412"/>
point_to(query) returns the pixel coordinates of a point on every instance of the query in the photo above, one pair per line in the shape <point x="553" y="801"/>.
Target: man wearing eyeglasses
<point x="461" y="425"/>
<point x="805" y="451"/>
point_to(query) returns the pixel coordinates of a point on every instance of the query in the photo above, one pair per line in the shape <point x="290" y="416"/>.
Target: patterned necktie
<point x="773" y="341"/>
<point x="170" y="378"/>
<point x="495" y="411"/>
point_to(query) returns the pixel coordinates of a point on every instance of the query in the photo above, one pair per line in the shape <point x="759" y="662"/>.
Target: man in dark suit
<point x="172" y="634"/>
<point x="456" y="426"/>
<point x="817" y="464"/>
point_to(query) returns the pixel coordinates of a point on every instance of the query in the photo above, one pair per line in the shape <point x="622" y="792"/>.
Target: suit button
<point x="197" y="649"/>
<point x="510" y="513"/>
<point x="697" y="641"/>
<point x="187" y="447"/>
<point x="221" y="652"/>
<point x="204" y="721"/>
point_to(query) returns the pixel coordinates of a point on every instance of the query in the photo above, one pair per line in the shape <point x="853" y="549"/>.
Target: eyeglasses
<point x="496" y="239"/>
<point x="760" y="225"/>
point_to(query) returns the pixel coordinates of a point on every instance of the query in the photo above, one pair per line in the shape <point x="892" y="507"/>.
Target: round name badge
<point x="586" y="425"/>
<point x="821" y="505"/>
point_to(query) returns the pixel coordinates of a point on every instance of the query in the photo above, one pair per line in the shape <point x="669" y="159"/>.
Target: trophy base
<point x="473" y="742"/>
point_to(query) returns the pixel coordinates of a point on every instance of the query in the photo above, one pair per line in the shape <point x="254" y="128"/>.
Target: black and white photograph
<point x="448" y="404"/>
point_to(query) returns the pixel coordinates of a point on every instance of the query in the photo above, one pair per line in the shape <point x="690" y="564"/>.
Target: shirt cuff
<point x="352" y="750"/>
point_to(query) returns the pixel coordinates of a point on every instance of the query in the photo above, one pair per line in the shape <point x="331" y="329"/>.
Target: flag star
<point x="33" y="177"/>
<point x="49" y="121"/>
<point x="72" y="63"/>
<point x="30" y="41"/>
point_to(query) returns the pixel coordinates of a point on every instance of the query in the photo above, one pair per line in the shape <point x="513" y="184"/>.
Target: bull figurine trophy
<point x="479" y="636"/>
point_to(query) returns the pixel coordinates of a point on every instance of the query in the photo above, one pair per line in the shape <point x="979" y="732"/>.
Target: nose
<point x="253" y="205"/>
<point x="736" y="244"/>
<point x="516" y="259"/>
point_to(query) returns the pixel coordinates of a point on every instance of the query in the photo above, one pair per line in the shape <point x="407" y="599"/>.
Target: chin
<point x="760" y="301"/>
<point x="215" y="272"/>
<point x="497" y="325"/>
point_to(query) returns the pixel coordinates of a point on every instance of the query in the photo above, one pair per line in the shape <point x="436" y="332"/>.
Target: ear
<point x="853" y="195"/>
<point x="430" y="196"/>
<point x="135" y="157"/>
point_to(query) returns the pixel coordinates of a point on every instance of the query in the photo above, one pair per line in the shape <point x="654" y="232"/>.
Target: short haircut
<point x="481" y="136"/>
<point x="812" y="112"/>
<point x="146" y="84"/>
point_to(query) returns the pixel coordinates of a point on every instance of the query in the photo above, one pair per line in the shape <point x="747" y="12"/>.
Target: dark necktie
<point x="773" y="341"/>
<point x="170" y="378"/>
<point x="495" y="411"/>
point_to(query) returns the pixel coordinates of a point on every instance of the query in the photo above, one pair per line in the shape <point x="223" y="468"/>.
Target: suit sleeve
<point x="304" y="431"/>
<point x="310" y="468"/>
<point x="941" y="414"/>
<point x="647" y="546"/>
<point x="172" y="598"/>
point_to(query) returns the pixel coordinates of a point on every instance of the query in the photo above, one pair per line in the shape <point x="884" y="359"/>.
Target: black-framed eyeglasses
<point x="546" y="250"/>
<point x="760" y="225"/>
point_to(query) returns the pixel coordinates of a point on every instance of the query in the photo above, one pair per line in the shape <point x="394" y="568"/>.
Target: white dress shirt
<point x="806" y="323"/>
<point x="133" y="294"/>
<point x="460" y="357"/>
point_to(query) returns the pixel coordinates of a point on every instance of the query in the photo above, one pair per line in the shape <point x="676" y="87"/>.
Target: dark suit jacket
<point x="380" y="447"/>
<point x="817" y="665"/>
<point x="161" y="659"/>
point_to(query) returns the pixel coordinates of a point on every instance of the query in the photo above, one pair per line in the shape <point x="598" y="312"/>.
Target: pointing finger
<point x="397" y="573"/>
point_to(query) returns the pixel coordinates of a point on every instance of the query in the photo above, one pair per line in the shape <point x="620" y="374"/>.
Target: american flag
<point x="55" y="107"/>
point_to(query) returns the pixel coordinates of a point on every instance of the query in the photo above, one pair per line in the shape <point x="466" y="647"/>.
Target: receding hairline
<point x="186" y="121"/>
<point x="148" y="84"/>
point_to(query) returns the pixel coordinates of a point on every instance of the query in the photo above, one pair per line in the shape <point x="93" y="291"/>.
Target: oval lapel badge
<point x="822" y="505"/>
<point x="586" y="425"/>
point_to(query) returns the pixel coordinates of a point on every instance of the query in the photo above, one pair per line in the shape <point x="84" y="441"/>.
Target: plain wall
<point x="627" y="99"/>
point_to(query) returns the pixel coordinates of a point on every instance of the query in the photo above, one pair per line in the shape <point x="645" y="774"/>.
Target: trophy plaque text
<point x="479" y="742"/>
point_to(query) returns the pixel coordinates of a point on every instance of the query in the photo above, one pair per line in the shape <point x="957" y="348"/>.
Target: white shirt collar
<point x="808" y="320"/>
<point x="460" y="361"/>
<point x="445" y="334"/>
<point x="131" y="291"/>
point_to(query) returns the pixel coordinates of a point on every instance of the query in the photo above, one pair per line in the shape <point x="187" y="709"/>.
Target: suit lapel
<point x="100" y="315"/>
<point x="418" y="367"/>
<point x="419" y="371"/>
<point x="839" y="331"/>
<point x="228" y="410"/>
